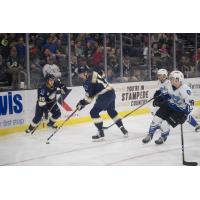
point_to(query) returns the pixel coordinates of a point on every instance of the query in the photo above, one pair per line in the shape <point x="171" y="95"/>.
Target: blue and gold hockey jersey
<point x="94" y="86"/>
<point x="47" y="94"/>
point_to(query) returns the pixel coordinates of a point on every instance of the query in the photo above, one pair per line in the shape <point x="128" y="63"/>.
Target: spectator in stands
<point x="162" y="38"/>
<point x="48" y="54"/>
<point x="51" y="68"/>
<point x="89" y="48"/>
<point x="197" y="56"/>
<point x="97" y="56"/>
<point x="72" y="47"/>
<point x="155" y="55"/>
<point x="127" y="69"/>
<point x="79" y="50"/>
<point x="137" y="76"/>
<point x="74" y="66"/>
<point x="110" y="75"/>
<point x="145" y="53"/>
<point x="112" y="63"/>
<point x="3" y="76"/>
<point x="13" y="68"/>
<point x="163" y="51"/>
<point x="21" y="50"/>
<point x="4" y="45"/>
<point x="52" y="47"/>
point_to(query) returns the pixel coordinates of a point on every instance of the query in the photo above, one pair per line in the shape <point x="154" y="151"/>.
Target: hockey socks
<point x="192" y="121"/>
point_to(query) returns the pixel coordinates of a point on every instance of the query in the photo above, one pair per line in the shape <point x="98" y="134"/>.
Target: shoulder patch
<point x="85" y="87"/>
<point x="42" y="91"/>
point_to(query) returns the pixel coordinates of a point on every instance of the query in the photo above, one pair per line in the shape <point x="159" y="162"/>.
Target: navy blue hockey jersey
<point x="48" y="95"/>
<point x="95" y="85"/>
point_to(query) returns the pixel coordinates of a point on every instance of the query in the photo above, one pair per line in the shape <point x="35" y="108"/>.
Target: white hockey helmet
<point x="177" y="75"/>
<point x="162" y="72"/>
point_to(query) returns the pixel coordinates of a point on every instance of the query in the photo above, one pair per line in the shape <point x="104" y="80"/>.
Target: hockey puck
<point x="47" y="142"/>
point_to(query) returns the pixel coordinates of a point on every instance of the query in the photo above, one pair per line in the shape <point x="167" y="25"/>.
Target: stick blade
<point x="190" y="163"/>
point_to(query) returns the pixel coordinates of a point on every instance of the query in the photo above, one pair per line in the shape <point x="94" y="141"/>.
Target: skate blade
<point x="126" y="136"/>
<point x="98" y="140"/>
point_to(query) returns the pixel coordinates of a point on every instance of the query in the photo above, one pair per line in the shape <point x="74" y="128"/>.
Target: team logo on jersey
<point x="62" y="101"/>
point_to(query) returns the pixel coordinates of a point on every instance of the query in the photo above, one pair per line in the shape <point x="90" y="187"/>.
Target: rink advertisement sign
<point x="14" y="108"/>
<point x="17" y="108"/>
<point x="11" y="109"/>
<point x="133" y="94"/>
<point x="194" y="84"/>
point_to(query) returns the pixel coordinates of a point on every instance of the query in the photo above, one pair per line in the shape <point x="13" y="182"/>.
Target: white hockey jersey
<point x="181" y="99"/>
<point x="165" y="86"/>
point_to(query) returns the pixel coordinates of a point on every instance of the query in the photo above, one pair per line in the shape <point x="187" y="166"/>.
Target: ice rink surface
<point x="72" y="146"/>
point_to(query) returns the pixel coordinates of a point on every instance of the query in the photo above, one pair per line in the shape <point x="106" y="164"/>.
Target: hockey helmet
<point x="162" y="72"/>
<point x="50" y="77"/>
<point x="178" y="75"/>
<point x="83" y="69"/>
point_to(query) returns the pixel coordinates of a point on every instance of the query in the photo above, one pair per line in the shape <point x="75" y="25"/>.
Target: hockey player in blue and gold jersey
<point x="97" y="87"/>
<point x="47" y="102"/>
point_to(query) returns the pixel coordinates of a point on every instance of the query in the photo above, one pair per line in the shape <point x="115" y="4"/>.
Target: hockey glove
<point x="156" y="94"/>
<point x="81" y="104"/>
<point x="64" y="90"/>
<point x="177" y="118"/>
<point x="159" y="101"/>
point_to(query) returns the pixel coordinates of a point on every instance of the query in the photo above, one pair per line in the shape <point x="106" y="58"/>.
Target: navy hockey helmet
<point x="50" y="77"/>
<point x="83" y="69"/>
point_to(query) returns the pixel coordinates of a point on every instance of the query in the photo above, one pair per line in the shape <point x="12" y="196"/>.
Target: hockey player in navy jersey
<point x="47" y="102"/>
<point x="97" y="87"/>
<point x="175" y="105"/>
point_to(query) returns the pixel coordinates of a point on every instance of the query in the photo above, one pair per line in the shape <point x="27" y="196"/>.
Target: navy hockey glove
<point x="177" y="118"/>
<point x="64" y="90"/>
<point x="159" y="101"/>
<point x="81" y="104"/>
<point x="156" y="94"/>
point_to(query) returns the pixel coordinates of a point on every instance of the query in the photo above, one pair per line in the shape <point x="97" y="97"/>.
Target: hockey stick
<point x="107" y="127"/>
<point x="60" y="126"/>
<point x="183" y="155"/>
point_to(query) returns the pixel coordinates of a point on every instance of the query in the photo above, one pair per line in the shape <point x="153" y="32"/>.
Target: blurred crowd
<point x="49" y="53"/>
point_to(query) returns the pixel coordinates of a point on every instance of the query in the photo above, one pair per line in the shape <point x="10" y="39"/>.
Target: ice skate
<point x="147" y="139"/>
<point x="99" y="136"/>
<point x="124" y="131"/>
<point x="52" y="125"/>
<point x="197" y="128"/>
<point x="161" y="140"/>
<point x="29" y="129"/>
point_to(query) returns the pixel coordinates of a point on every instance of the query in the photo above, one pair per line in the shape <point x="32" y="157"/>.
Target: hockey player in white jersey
<point x="174" y="108"/>
<point x="164" y="85"/>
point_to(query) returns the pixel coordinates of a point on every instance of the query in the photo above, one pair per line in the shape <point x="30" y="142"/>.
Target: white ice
<point x="72" y="145"/>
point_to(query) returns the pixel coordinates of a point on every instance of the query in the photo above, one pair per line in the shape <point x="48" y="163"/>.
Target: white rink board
<point x="128" y="96"/>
